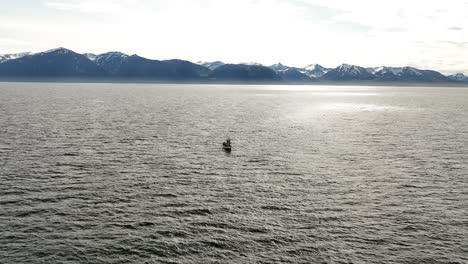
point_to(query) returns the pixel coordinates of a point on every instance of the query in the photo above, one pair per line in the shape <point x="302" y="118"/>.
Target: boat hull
<point x="227" y="149"/>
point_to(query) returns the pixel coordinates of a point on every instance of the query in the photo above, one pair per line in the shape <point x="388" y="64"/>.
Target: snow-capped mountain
<point x="408" y="74"/>
<point x="347" y="72"/>
<point x="290" y="74"/>
<point x="211" y="65"/>
<point x="251" y="63"/>
<point x="90" y="56"/>
<point x="5" y="57"/>
<point x="123" y="66"/>
<point x="56" y="51"/>
<point x="460" y="77"/>
<point x="111" y="61"/>
<point x="55" y="63"/>
<point x="279" y="67"/>
<point x="411" y="71"/>
<point x="63" y="63"/>
<point x="384" y="69"/>
<point x="315" y="70"/>
<point x="293" y="75"/>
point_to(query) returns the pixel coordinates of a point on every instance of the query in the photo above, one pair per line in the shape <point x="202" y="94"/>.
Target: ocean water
<point x="135" y="173"/>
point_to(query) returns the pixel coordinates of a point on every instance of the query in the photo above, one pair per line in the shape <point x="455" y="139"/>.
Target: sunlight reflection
<point x="313" y="88"/>
<point x="347" y="94"/>
<point x="348" y="107"/>
<point x="326" y="110"/>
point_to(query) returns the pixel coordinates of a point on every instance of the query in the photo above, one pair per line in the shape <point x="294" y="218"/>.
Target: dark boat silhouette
<point x="227" y="145"/>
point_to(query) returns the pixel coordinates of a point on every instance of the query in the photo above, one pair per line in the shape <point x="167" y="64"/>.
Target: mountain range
<point x="63" y="63"/>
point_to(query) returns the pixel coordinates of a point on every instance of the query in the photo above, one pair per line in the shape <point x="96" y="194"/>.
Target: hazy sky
<point x="426" y="34"/>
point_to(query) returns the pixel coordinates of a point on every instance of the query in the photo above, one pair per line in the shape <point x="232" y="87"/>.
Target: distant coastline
<point x="248" y="83"/>
<point x="64" y="65"/>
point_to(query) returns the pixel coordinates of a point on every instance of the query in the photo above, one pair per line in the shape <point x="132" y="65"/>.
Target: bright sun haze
<point x="429" y="34"/>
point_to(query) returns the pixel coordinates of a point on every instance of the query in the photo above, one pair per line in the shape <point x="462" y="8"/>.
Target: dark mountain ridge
<point x="244" y="73"/>
<point x="65" y="64"/>
<point x="59" y="63"/>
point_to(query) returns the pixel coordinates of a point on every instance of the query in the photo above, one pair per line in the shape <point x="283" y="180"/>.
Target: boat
<point x="227" y="145"/>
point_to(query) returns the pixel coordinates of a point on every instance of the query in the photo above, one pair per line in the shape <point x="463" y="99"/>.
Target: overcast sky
<point x="425" y="34"/>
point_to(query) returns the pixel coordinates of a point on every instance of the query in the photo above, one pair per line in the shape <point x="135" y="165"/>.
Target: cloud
<point x="394" y="29"/>
<point x="456" y="43"/>
<point x="295" y="32"/>
<point x="14" y="45"/>
<point x="87" y="6"/>
<point x="397" y="13"/>
<point x="16" y="42"/>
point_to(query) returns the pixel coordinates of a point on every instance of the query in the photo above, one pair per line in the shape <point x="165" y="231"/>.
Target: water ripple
<point x="95" y="173"/>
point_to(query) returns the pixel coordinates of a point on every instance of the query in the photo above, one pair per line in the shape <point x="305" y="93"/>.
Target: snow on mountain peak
<point x="211" y="65"/>
<point x="411" y="70"/>
<point x="458" y="77"/>
<point x="6" y="57"/>
<point x="314" y="70"/>
<point x="90" y="56"/>
<point x="60" y="50"/>
<point x="113" y="54"/>
<point x="279" y="67"/>
<point x="385" y="70"/>
<point x="352" y="69"/>
<point x="345" y="66"/>
<point x="251" y="63"/>
<point x="312" y="67"/>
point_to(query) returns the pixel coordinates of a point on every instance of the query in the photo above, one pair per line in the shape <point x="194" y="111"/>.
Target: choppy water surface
<point x="135" y="173"/>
